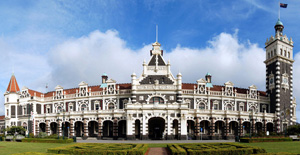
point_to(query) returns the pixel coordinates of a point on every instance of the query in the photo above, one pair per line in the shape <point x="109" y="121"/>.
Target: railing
<point x="241" y="95"/>
<point x="187" y="91"/>
<point x="125" y="91"/>
<point x="216" y="93"/>
<point x="97" y="93"/>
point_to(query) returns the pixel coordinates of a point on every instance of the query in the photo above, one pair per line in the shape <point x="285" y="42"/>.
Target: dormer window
<point x="111" y="106"/>
<point x="229" y="107"/>
<point x="202" y="106"/>
<point x="59" y="109"/>
<point x="156" y="100"/>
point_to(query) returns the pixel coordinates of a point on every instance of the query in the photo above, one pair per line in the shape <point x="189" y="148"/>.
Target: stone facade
<point x="157" y="105"/>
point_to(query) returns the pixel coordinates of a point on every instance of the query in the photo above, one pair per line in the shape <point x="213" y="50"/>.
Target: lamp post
<point x="63" y="124"/>
<point x="57" y="124"/>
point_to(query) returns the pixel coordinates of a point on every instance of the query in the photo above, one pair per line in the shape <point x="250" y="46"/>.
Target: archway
<point x="246" y="128"/>
<point x="66" y="128"/>
<point x="205" y="127"/>
<point x="156" y="126"/>
<point x="219" y="128"/>
<point x="137" y="129"/>
<point x="233" y="128"/>
<point x="191" y="129"/>
<point x="93" y="128"/>
<point x="53" y="128"/>
<point x="175" y="128"/>
<point x="79" y="129"/>
<point x="42" y="127"/>
<point x="122" y="128"/>
<point x="107" y="128"/>
<point x="258" y="127"/>
<point x="270" y="127"/>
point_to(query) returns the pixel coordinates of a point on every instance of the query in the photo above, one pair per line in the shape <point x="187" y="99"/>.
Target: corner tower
<point x="279" y="77"/>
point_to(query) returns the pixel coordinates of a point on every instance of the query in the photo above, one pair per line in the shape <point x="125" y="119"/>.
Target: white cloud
<point x="87" y="57"/>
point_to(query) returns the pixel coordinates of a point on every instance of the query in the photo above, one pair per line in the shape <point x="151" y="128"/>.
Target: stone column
<point x="226" y="127"/>
<point x="115" y="129"/>
<point x="264" y="127"/>
<point x="212" y="127"/>
<point x="253" y="131"/>
<point x="197" y="128"/>
<point x="48" y="127"/>
<point x="85" y="129"/>
<point x="240" y="127"/>
<point x="37" y="131"/>
<point x="71" y="128"/>
<point x="99" y="129"/>
<point x="59" y="127"/>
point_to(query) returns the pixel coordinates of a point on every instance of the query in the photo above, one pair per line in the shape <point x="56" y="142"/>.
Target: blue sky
<point x="66" y="42"/>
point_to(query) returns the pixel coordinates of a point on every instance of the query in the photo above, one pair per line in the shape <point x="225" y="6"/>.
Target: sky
<point x="66" y="42"/>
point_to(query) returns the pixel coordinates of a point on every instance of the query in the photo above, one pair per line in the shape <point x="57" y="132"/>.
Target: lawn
<point x="291" y="147"/>
<point x="19" y="147"/>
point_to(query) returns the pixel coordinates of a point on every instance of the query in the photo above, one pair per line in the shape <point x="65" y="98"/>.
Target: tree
<point x="15" y="129"/>
<point x="293" y="130"/>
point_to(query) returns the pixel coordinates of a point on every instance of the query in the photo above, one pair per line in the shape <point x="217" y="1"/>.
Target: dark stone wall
<point x="285" y="94"/>
<point x="272" y="93"/>
<point x="150" y="79"/>
<point x="160" y="61"/>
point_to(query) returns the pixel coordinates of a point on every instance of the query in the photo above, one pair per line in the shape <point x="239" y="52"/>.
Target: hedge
<point x="213" y="148"/>
<point x="254" y="140"/>
<point x="101" y="149"/>
<point x="41" y="140"/>
<point x="34" y="153"/>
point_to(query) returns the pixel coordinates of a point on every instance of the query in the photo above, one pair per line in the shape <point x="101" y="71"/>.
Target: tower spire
<point x="13" y="85"/>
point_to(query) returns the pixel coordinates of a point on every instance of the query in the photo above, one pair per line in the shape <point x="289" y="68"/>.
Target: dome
<point x="279" y="23"/>
<point x="208" y="74"/>
<point x="104" y="74"/>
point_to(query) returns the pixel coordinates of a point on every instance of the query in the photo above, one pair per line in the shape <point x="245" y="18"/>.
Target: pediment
<point x="229" y="83"/>
<point x="253" y="87"/>
<point x="83" y="83"/>
<point x="201" y="81"/>
<point x="59" y="87"/>
<point x="110" y="81"/>
<point x="24" y="88"/>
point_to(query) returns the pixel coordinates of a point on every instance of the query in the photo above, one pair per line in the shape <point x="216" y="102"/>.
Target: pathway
<point x="158" y="151"/>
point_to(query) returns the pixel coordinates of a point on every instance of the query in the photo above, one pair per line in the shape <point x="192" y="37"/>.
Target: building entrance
<point x="156" y="128"/>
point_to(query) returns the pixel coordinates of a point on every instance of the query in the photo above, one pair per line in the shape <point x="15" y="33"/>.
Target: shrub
<point x="253" y="140"/>
<point x="213" y="148"/>
<point x="53" y="136"/>
<point x="42" y="135"/>
<point x="40" y="140"/>
<point x="94" y="148"/>
<point x="15" y="130"/>
<point x="31" y="135"/>
<point x="34" y="153"/>
<point x="293" y="130"/>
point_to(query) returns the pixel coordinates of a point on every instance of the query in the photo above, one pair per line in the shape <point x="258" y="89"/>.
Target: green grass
<point x="157" y="145"/>
<point x="291" y="147"/>
<point x="19" y="147"/>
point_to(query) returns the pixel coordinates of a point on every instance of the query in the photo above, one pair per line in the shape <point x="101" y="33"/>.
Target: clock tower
<point x="279" y="77"/>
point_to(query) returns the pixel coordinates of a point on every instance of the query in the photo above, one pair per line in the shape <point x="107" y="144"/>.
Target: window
<point x="71" y="108"/>
<point x="97" y="106"/>
<point x="289" y="54"/>
<point x="59" y="109"/>
<point x="48" y="110"/>
<point x="264" y="108"/>
<point x="111" y="106"/>
<point x="141" y="98"/>
<point x="285" y="53"/>
<point x="83" y="107"/>
<point x="202" y="106"/>
<point x="268" y="55"/>
<point x="156" y="100"/>
<point x="7" y="112"/>
<point x="171" y="98"/>
<point x="229" y="107"/>
<point x="281" y="52"/>
<point x="252" y="109"/>
<point x="241" y="108"/>
<point x="7" y="100"/>
<point x="25" y="110"/>
<point x="215" y="106"/>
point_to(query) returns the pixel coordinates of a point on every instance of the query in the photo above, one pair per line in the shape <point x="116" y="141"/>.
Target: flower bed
<point x="101" y="149"/>
<point x="254" y="140"/>
<point x="42" y="140"/>
<point x="213" y="148"/>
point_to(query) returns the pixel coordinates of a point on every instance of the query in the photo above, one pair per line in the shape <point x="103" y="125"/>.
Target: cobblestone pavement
<point x="94" y="140"/>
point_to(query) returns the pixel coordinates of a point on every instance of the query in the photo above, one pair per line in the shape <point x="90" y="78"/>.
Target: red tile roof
<point x="2" y="117"/>
<point x="31" y="92"/>
<point x="13" y="85"/>
<point x="124" y="85"/>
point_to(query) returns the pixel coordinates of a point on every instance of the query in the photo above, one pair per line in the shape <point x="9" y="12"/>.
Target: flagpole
<point x="279" y="10"/>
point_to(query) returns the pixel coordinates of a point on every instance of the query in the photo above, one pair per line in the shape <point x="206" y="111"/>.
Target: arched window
<point x="268" y="55"/>
<point x="289" y="54"/>
<point x="229" y="107"/>
<point x="285" y="53"/>
<point x="83" y="107"/>
<point x="271" y="53"/>
<point x="252" y="109"/>
<point x="111" y="106"/>
<point x="202" y="106"/>
<point x="156" y="100"/>
<point x="281" y="52"/>
<point x="59" y="109"/>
